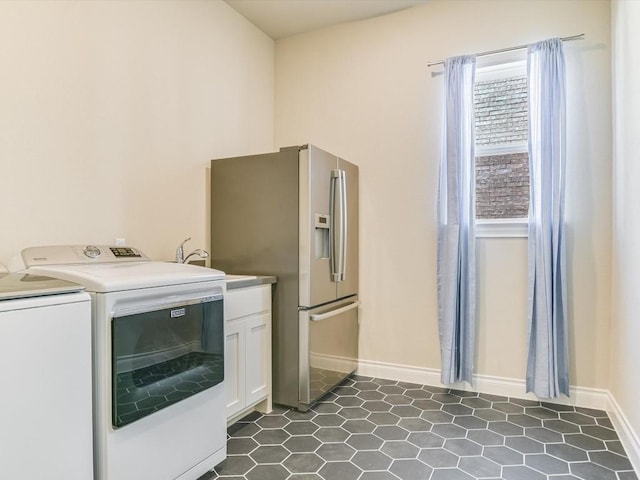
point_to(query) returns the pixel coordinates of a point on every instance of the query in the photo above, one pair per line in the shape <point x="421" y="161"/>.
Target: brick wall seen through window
<point x="502" y="163"/>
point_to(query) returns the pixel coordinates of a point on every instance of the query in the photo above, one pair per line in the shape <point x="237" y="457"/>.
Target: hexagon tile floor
<point x="371" y="429"/>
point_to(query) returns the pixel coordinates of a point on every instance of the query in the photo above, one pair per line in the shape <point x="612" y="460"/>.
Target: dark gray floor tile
<point x="359" y="426"/>
<point x="546" y="463"/>
<point x="400" y="449"/>
<point x="566" y="452"/>
<point x="450" y="474"/>
<point x="371" y="460"/>
<point x="271" y="437"/>
<point x="303" y="443"/>
<point x="584" y="441"/>
<point x="410" y="469"/>
<point x="470" y="422"/>
<point x="383" y="418"/>
<point x="490" y="415"/>
<point x="328" y="420"/>
<point x="340" y="471"/>
<point x="541" y="413"/>
<point x="524" y="420"/>
<point x="370" y="395"/>
<point x="301" y="428"/>
<point x="334" y="452"/>
<point x="331" y="434"/>
<point x="454" y="435"/>
<point x="577" y="418"/>
<point x="303" y="463"/>
<point x="506" y="428"/>
<point x="446" y="398"/>
<point x="270" y="454"/>
<point x="591" y="471"/>
<point x="508" y="407"/>
<point x="378" y="476"/>
<point x="436" y="416"/>
<point x="457" y="409"/>
<point x="476" y="402"/>
<point x="391" y="432"/>
<point x="486" y="437"/>
<point x="561" y="426"/>
<point x="524" y="444"/>
<point x="627" y="476"/>
<point x="273" y="421"/>
<point x="239" y="446"/>
<point x="503" y="455"/>
<point x="449" y="430"/>
<point x="462" y="446"/>
<point x="426" y="440"/>
<point x="399" y="399"/>
<point x="610" y="460"/>
<point x="521" y="473"/>
<point x="349" y="401"/>
<point x="615" y="446"/>
<point x="426" y="404"/>
<point x="602" y="433"/>
<point x="268" y="472"/>
<point x="480" y="467"/>
<point x="236" y="465"/>
<point x="365" y="441"/>
<point x="438" y="458"/>
<point x="415" y="425"/>
<point x="351" y="413"/>
<point x="543" y="435"/>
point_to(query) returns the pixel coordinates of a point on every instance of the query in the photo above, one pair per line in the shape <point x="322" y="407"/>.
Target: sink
<point x="238" y="278"/>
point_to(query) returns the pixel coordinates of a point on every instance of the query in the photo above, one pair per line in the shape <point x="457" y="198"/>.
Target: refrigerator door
<point x="318" y="187"/>
<point x="328" y="348"/>
<point x="348" y="273"/>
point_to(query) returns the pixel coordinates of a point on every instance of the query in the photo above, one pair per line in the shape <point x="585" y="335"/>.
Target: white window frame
<point x="501" y="227"/>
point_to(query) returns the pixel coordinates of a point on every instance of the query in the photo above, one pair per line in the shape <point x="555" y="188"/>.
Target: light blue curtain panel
<point x="548" y="359"/>
<point x="456" y="231"/>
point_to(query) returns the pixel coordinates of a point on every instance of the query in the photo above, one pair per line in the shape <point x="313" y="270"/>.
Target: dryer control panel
<point x="80" y="254"/>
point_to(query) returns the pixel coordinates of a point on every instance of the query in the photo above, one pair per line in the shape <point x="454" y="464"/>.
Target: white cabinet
<point x="247" y="370"/>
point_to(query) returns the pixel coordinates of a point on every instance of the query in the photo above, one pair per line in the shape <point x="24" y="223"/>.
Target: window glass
<point x="501" y="123"/>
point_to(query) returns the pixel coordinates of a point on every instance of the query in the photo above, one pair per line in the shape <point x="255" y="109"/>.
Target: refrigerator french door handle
<point x="323" y="316"/>
<point x="343" y="229"/>
<point x="333" y="257"/>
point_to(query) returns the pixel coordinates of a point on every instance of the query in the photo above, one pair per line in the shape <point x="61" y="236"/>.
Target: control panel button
<point x="91" y="251"/>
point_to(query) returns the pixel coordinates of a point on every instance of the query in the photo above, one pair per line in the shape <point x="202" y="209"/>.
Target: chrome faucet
<point x="180" y="258"/>
<point x="180" y="251"/>
<point x="198" y="251"/>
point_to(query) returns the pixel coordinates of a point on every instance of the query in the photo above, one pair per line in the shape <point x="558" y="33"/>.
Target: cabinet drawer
<point x="247" y="301"/>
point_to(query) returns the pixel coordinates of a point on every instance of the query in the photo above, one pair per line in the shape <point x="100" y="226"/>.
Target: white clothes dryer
<point x="158" y="350"/>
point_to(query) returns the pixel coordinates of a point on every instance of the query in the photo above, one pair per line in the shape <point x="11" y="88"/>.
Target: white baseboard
<point x="628" y="437"/>
<point x="507" y="387"/>
<point x="595" y="398"/>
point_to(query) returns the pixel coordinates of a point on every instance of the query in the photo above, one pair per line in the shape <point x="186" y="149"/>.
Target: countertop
<point x="243" y="281"/>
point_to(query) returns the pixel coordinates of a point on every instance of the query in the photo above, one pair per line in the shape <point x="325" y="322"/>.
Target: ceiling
<point x="282" y="18"/>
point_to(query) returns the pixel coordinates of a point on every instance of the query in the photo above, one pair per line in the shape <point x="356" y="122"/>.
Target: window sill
<point x="505" y="228"/>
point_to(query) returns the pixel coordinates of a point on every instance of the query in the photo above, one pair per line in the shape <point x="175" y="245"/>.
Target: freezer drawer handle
<point x="333" y="313"/>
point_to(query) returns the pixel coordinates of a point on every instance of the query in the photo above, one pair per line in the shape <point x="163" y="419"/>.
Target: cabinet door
<point x="258" y="353"/>
<point x="234" y="367"/>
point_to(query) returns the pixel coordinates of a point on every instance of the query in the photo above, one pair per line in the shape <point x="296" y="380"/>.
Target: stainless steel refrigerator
<point x="294" y="214"/>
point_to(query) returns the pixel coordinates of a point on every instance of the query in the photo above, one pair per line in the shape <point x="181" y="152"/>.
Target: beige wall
<point x="363" y="91"/>
<point x="110" y="114"/>
<point x="625" y="351"/>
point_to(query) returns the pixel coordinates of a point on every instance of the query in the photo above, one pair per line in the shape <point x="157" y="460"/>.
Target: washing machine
<point x="45" y="375"/>
<point x="158" y="359"/>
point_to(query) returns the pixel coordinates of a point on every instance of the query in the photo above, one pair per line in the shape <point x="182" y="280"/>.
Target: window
<point x="502" y="160"/>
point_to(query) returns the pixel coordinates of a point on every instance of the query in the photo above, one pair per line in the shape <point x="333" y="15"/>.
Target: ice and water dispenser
<point x="322" y="235"/>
